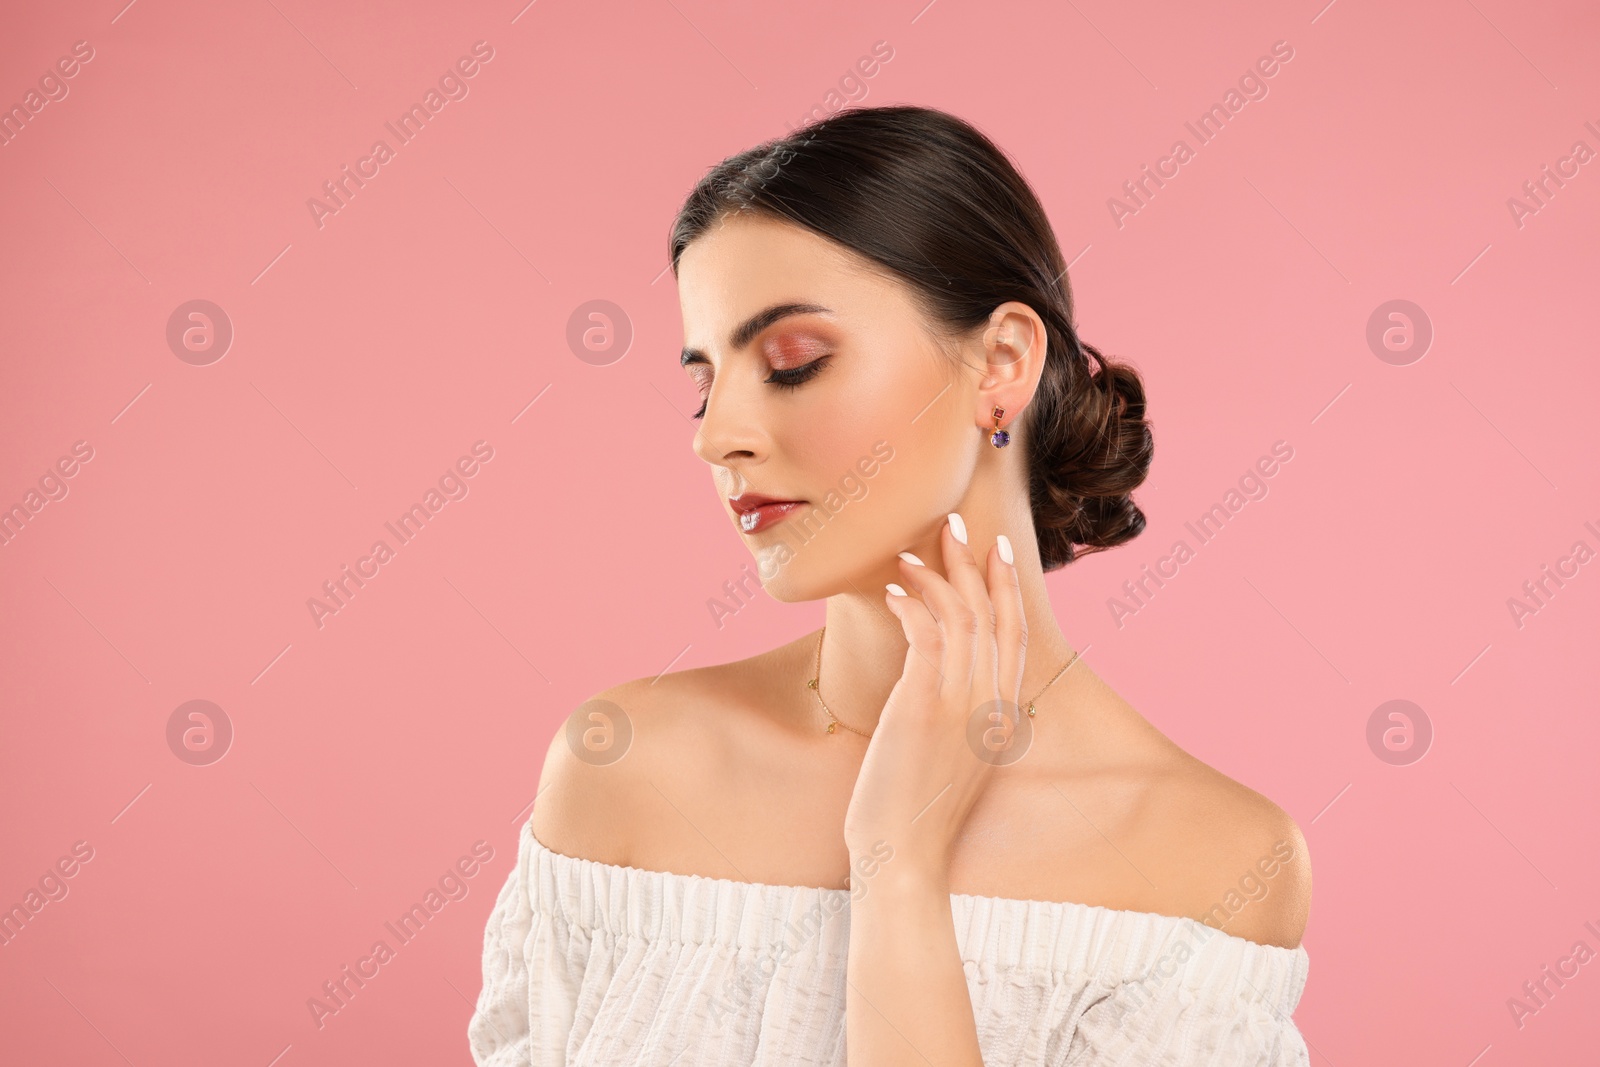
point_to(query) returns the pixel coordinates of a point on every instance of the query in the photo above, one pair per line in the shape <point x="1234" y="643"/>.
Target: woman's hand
<point x="951" y="715"/>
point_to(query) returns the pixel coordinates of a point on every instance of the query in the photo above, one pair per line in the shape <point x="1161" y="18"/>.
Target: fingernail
<point x="909" y="558"/>
<point x="1005" y="548"/>
<point x="896" y="590"/>
<point x="958" y="527"/>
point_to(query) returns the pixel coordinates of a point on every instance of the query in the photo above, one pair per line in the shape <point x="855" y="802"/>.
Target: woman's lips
<point x="766" y="515"/>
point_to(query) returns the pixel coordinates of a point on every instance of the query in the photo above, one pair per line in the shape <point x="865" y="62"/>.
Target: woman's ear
<point x="1014" y="346"/>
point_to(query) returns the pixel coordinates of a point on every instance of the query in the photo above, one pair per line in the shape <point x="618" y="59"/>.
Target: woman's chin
<point x="793" y="582"/>
<point x="784" y="589"/>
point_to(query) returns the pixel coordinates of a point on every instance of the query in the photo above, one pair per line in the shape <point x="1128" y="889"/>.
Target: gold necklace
<point x="811" y="684"/>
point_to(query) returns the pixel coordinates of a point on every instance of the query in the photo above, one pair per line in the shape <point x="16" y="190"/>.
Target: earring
<point x="999" y="438"/>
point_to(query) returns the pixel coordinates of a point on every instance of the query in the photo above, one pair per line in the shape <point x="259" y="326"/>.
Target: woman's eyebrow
<point x="753" y="325"/>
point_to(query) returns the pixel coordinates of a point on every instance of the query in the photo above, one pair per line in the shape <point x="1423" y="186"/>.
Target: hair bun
<point x="1092" y="447"/>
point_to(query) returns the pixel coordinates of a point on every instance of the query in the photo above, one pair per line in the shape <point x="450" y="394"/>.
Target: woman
<point x="865" y="822"/>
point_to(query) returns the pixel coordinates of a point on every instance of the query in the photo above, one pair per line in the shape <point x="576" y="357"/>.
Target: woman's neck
<point x="864" y="648"/>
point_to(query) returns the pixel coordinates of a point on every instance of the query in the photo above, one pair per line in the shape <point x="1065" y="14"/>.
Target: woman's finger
<point x="922" y="666"/>
<point x="957" y="642"/>
<point x="961" y="568"/>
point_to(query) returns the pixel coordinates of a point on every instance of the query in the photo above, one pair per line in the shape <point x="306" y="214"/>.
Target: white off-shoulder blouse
<point x="588" y="963"/>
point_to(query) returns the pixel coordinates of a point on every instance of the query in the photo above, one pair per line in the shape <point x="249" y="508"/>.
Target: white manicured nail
<point x="958" y="527"/>
<point x="896" y="590"/>
<point x="909" y="558"/>
<point x="1005" y="548"/>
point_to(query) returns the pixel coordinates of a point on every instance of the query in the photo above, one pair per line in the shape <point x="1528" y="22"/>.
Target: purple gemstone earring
<point x="999" y="438"/>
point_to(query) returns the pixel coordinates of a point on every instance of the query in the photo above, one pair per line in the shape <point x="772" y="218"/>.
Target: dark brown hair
<point x="928" y="197"/>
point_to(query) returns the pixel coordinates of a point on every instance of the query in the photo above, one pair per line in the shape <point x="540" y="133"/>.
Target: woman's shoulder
<point x="1221" y="852"/>
<point x="1113" y="812"/>
<point x="1251" y="870"/>
<point x="609" y="772"/>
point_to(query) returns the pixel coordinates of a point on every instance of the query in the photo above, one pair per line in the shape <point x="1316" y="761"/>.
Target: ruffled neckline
<point x="993" y="933"/>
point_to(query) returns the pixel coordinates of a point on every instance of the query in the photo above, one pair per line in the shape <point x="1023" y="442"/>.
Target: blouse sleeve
<point x="1236" y="1012"/>
<point x="530" y="982"/>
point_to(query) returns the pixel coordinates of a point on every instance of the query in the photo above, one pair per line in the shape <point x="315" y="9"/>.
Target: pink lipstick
<point x="757" y="511"/>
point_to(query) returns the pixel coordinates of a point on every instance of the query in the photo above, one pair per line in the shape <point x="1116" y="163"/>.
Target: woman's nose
<point x="731" y="427"/>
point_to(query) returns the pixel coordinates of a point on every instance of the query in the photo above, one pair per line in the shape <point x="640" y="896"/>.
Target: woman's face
<point x="878" y="438"/>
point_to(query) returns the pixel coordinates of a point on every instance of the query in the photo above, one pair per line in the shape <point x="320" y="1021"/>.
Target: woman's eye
<point x="791" y="378"/>
<point x="794" y="377"/>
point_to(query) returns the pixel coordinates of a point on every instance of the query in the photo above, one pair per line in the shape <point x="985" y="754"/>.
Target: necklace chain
<point x="812" y="684"/>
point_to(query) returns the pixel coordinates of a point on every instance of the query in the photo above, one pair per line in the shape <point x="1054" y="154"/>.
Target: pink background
<point x="430" y="312"/>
